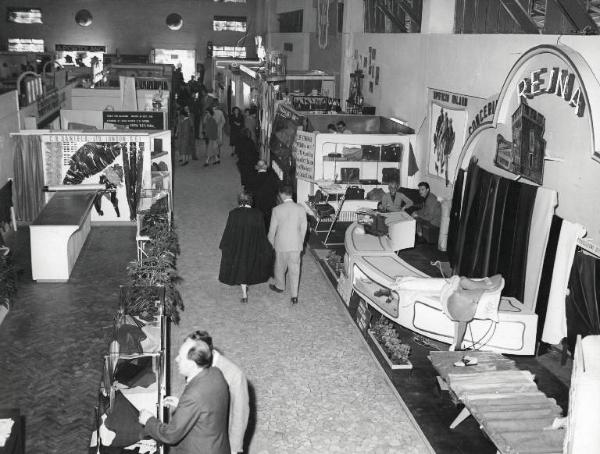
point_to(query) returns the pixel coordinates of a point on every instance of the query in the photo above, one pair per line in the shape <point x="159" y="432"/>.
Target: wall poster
<point x="116" y="162"/>
<point x="449" y="115"/>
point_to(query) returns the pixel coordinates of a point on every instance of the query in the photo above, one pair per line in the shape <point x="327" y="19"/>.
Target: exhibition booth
<point x="523" y="187"/>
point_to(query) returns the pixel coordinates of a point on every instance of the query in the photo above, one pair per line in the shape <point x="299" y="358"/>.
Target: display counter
<point x="58" y="234"/>
<point x="371" y="267"/>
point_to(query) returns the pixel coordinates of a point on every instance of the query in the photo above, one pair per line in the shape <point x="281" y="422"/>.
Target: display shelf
<point x="159" y="154"/>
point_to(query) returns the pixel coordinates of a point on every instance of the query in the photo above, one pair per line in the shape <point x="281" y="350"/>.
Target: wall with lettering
<point x="132" y="27"/>
<point x="469" y="64"/>
<point x="304" y="155"/>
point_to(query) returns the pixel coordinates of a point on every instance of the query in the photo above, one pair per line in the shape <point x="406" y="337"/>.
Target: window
<point x="231" y="23"/>
<point x="229" y="51"/>
<point x="24" y="15"/>
<point x="390" y="16"/>
<point x="291" y="22"/>
<point x="25" y="45"/>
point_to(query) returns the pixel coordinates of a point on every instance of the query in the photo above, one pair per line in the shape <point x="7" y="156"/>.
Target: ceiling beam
<point x="390" y="15"/>
<point x="577" y="15"/>
<point x="520" y="16"/>
<point x="410" y="11"/>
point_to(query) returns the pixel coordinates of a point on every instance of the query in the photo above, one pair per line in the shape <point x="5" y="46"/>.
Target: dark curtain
<point x="514" y="237"/>
<point x="455" y="217"/>
<point x="583" y="312"/>
<point x="541" y="306"/>
<point x="493" y="232"/>
<point x="5" y="202"/>
<point x="29" y="176"/>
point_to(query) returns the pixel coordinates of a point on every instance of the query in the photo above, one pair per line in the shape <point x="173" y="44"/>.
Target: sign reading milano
<point x="135" y="119"/>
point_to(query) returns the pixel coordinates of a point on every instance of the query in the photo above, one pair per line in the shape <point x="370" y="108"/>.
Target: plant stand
<point x="405" y="365"/>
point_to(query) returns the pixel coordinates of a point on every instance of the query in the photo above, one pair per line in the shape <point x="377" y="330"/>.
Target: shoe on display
<point x="244" y="300"/>
<point x="206" y="164"/>
<point x="294" y="300"/>
<point x="275" y="289"/>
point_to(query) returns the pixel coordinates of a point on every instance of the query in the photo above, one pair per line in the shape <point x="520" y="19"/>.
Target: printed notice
<point x="304" y="155"/>
<point x="133" y="120"/>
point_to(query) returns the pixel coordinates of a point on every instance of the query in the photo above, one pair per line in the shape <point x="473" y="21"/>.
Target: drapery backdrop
<point x="29" y="176"/>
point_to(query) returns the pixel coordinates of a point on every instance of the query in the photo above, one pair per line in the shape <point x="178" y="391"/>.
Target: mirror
<point x="174" y="21"/>
<point x="83" y="17"/>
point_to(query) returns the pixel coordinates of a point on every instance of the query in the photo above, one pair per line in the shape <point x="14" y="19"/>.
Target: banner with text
<point x="133" y="119"/>
<point x="303" y="150"/>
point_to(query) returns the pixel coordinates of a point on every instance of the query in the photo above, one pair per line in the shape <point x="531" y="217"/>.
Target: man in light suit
<point x="286" y="234"/>
<point x="200" y="421"/>
<point x="239" y="399"/>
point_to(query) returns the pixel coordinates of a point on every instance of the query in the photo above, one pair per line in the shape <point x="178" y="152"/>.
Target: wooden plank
<point x="520" y="16"/>
<point x="493" y="409"/>
<point x="554" y="21"/>
<point x="544" y="442"/>
<point x="495" y="399"/>
<point x="490" y="417"/>
<point x="519" y="425"/>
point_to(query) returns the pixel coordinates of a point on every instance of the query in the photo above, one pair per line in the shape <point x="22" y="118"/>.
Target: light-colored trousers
<point x="290" y="262"/>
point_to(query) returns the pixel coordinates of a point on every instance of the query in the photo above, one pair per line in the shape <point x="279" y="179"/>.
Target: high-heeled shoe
<point x="244" y="300"/>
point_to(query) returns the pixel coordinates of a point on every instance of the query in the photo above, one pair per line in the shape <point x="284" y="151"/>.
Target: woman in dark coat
<point x="236" y="124"/>
<point x="247" y="255"/>
<point x="247" y="154"/>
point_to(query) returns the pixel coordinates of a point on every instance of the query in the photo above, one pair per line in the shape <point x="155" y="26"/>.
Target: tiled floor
<point x="315" y="386"/>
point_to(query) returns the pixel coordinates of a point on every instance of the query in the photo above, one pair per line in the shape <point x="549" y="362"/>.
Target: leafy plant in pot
<point x="8" y="279"/>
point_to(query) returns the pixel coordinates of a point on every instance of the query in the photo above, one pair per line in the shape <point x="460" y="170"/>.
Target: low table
<point x="504" y="400"/>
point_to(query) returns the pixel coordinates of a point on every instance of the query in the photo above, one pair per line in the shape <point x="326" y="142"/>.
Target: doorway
<point x="187" y="59"/>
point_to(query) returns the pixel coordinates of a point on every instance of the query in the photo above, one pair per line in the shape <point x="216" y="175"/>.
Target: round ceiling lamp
<point x="83" y="17"/>
<point x="174" y="21"/>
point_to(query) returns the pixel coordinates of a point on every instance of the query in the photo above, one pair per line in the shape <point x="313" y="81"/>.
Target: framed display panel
<point x="122" y="161"/>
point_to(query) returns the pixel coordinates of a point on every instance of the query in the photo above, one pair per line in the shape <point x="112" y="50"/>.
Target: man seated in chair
<point x="429" y="215"/>
<point x="394" y="200"/>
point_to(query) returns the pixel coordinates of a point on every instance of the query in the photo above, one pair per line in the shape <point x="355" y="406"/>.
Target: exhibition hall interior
<point x="299" y="226"/>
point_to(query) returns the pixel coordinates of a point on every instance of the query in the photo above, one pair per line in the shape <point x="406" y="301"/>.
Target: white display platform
<point x="371" y="264"/>
<point x="58" y="234"/>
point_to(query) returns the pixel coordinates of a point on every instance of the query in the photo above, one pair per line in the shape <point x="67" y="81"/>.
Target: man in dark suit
<point x="264" y="187"/>
<point x="199" y="423"/>
<point x="286" y="234"/>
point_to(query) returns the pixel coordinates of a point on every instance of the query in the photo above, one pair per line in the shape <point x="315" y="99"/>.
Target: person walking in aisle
<point x="236" y="126"/>
<point x="247" y="256"/>
<point x="239" y="398"/>
<point x="185" y="137"/>
<point x="199" y="424"/>
<point x="286" y="234"/>
<point x="264" y="187"/>
<point x="211" y="132"/>
<point x="247" y="154"/>
<point x="219" y="117"/>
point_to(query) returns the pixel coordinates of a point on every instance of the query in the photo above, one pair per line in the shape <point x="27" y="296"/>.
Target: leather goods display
<point x="370" y="152"/>
<point x="355" y="193"/>
<point x="123" y="420"/>
<point x="352" y="153"/>
<point x="378" y="227"/>
<point x="136" y="371"/>
<point x="389" y="175"/>
<point x="324" y="210"/>
<point x="350" y="174"/>
<point x="375" y="194"/>
<point x="391" y="153"/>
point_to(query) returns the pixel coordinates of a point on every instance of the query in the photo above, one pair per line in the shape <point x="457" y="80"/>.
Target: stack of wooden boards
<point x="505" y="401"/>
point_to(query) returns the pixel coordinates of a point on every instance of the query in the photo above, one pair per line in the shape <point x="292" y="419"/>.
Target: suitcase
<point x="389" y="175"/>
<point x="355" y="193"/>
<point x="370" y="152"/>
<point x="324" y="210"/>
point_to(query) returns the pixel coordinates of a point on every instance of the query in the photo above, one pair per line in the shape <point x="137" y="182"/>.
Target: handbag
<point x="324" y="210"/>
<point x="391" y="153"/>
<point x="370" y="152"/>
<point x="355" y="193"/>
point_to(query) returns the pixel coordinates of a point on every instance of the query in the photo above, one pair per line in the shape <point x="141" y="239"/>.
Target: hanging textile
<point x="514" y="237"/>
<point x="583" y="303"/>
<point x="541" y="306"/>
<point x="132" y="167"/>
<point x="413" y="167"/>
<point x="555" y="326"/>
<point x="29" y="176"/>
<point x="454" y="216"/>
<point x="5" y="203"/>
<point x="541" y="219"/>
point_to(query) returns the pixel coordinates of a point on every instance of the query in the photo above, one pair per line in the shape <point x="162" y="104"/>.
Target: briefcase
<point x="355" y="193"/>
<point x="370" y="152"/>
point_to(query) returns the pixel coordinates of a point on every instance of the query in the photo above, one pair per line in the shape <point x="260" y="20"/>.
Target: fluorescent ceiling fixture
<point x="25" y="45"/>
<point x="229" y="23"/>
<point x="24" y="15"/>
